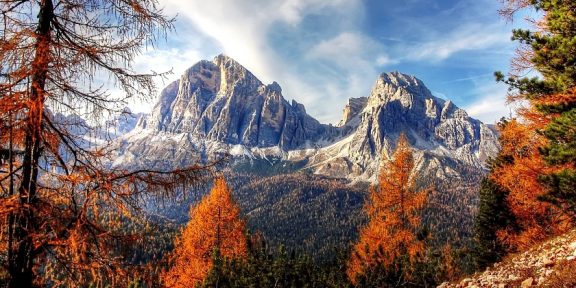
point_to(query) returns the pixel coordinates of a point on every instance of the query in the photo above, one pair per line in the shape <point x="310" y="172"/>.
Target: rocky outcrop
<point x="352" y="110"/>
<point x="220" y="100"/>
<point x="544" y="265"/>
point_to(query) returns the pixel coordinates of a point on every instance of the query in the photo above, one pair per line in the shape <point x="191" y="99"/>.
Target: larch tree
<point x="215" y="230"/>
<point x="62" y="211"/>
<point x="394" y="209"/>
<point x="541" y="144"/>
<point x="517" y="175"/>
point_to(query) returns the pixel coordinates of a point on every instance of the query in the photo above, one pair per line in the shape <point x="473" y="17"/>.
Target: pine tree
<point x="517" y="170"/>
<point x="551" y="51"/>
<point x="214" y="233"/>
<point x="493" y="215"/>
<point x="389" y="243"/>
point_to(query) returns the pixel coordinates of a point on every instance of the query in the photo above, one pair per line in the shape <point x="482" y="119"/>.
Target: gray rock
<point x="223" y="101"/>
<point x="352" y="110"/>
<point x="401" y="103"/>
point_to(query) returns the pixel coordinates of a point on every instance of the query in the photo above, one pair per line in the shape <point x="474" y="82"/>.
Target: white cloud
<point x="352" y="62"/>
<point x="491" y="104"/>
<point x="463" y="39"/>
<point x="292" y="11"/>
<point x="349" y="49"/>
<point x="176" y="60"/>
<point x="323" y="73"/>
<point x="384" y="60"/>
<point x="241" y="29"/>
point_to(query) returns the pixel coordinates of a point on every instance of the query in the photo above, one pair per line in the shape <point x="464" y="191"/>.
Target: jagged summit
<point x="352" y="110"/>
<point x="397" y="86"/>
<point x="220" y="106"/>
<point x="400" y="103"/>
<point x="221" y="100"/>
<point x="400" y="79"/>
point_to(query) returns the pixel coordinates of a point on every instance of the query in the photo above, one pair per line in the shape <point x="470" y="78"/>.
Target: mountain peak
<point x="352" y="109"/>
<point x="274" y="87"/>
<point x="407" y="89"/>
<point x="223" y="57"/>
<point x="224" y="102"/>
<point x="221" y="104"/>
<point x="399" y="79"/>
<point x="223" y="60"/>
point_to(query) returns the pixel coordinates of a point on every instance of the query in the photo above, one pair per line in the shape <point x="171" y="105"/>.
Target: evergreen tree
<point x="493" y="215"/>
<point x="551" y="50"/>
<point x="263" y="268"/>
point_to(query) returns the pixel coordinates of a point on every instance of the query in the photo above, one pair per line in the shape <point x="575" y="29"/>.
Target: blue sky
<point x="323" y="52"/>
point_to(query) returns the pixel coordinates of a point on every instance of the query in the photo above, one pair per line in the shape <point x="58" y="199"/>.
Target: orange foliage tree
<point x="518" y="172"/>
<point x="394" y="209"/>
<point x="63" y="212"/>
<point x="215" y="227"/>
<point x="537" y="164"/>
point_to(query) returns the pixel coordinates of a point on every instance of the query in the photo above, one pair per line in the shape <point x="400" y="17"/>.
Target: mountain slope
<point x="222" y="101"/>
<point x="548" y="264"/>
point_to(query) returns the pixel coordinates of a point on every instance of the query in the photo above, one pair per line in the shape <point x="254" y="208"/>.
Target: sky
<point x="323" y="52"/>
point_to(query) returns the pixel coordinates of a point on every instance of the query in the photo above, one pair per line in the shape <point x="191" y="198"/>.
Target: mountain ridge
<point x="220" y="107"/>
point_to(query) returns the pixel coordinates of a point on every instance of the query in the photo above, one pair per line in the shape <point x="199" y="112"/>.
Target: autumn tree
<point x="394" y="211"/>
<point x="62" y="211"/>
<point x="215" y="231"/>
<point x="540" y="145"/>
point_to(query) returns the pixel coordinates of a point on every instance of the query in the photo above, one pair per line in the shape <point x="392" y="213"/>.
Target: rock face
<point x="221" y="101"/>
<point x="352" y="109"/>
<point x="220" y="107"/>
<point x="399" y="104"/>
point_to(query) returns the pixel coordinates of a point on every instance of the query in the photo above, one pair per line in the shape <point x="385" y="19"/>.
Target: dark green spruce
<point x="554" y="57"/>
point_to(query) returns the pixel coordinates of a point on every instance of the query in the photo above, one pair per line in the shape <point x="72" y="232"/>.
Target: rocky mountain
<point x="400" y="103"/>
<point x="220" y="107"/>
<point x="87" y="134"/>
<point x="352" y="109"/>
<point x="222" y="101"/>
<point x="300" y="182"/>
<point x="122" y="123"/>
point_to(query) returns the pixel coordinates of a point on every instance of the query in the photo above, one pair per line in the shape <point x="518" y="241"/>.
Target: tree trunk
<point x="22" y="262"/>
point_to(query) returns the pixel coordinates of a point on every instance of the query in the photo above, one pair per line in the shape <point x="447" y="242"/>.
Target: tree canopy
<point x="539" y="147"/>
<point x="215" y="230"/>
<point x="394" y="211"/>
<point x="63" y="209"/>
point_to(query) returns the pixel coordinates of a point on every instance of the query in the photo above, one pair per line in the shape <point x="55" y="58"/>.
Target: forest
<point x="69" y="219"/>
